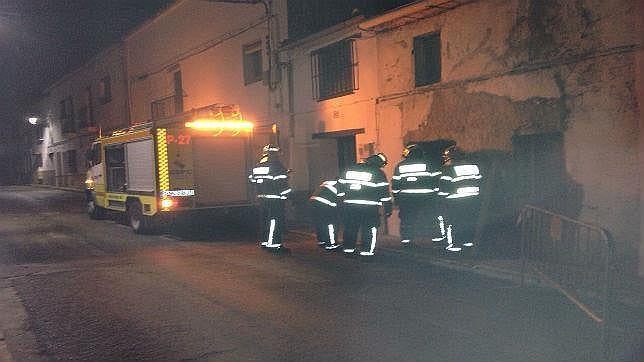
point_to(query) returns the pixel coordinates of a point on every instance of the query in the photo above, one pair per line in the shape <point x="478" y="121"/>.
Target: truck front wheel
<point x="141" y="224"/>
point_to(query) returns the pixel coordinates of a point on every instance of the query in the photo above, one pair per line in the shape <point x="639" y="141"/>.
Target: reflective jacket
<point x="271" y="179"/>
<point x="415" y="179"/>
<point x="364" y="184"/>
<point x="460" y="179"/>
<point x="326" y="194"/>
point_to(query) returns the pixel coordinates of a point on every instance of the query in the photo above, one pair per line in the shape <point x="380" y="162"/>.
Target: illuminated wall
<point x="204" y="41"/>
<point x="512" y="68"/>
<point x="310" y="116"/>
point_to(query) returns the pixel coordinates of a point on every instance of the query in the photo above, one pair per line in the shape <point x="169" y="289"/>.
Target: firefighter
<point x="364" y="189"/>
<point x="460" y="187"/>
<point x="415" y="189"/>
<point x="271" y="180"/>
<point x="324" y="208"/>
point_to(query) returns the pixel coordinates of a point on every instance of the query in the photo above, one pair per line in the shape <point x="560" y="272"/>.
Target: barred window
<point x="427" y="59"/>
<point x="334" y="70"/>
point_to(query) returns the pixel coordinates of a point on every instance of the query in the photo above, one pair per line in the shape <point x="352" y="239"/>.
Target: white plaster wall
<point x="212" y="76"/>
<point x="356" y="110"/>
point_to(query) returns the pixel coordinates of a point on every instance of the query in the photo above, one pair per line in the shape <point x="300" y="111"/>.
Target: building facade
<point x="72" y="112"/>
<point x="545" y="97"/>
<point x="199" y="53"/>
<point x="332" y="81"/>
<point x="192" y="55"/>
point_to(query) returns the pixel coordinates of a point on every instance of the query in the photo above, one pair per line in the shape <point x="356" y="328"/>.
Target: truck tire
<point x="94" y="211"/>
<point x="140" y="224"/>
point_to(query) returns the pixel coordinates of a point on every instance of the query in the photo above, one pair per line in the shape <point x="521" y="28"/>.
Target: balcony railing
<point x="166" y="107"/>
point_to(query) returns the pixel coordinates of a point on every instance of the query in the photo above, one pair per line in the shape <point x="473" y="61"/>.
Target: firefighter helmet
<point x="451" y="153"/>
<point x="412" y="151"/>
<point x="270" y="148"/>
<point x="379" y="160"/>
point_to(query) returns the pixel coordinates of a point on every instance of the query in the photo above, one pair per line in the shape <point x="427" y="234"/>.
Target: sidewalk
<point x="627" y="292"/>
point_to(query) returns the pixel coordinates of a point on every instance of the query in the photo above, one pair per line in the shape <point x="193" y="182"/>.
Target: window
<point x="334" y="70"/>
<point x="40" y="133"/>
<point x="70" y="161"/>
<point x="67" y="115"/>
<point x="427" y="59"/>
<point x="36" y="160"/>
<point x="115" y="158"/>
<point x="105" y="90"/>
<point x="178" y="92"/>
<point x="83" y="117"/>
<point x="59" y="164"/>
<point x="252" y="62"/>
<point x="94" y="154"/>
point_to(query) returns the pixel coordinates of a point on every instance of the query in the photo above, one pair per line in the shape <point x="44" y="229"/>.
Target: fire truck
<point x="193" y="161"/>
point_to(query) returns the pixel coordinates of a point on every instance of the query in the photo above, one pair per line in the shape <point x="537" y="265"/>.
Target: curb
<point x="479" y="269"/>
<point x="71" y="189"/>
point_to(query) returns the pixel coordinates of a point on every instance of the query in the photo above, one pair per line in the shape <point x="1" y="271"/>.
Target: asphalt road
<point x="74" y="288"/>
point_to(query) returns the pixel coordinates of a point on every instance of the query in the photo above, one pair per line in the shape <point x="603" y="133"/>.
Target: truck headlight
<point x="166" y="204"/>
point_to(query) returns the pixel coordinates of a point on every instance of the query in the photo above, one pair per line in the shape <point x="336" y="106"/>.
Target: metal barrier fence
<point x="574" y="257"/>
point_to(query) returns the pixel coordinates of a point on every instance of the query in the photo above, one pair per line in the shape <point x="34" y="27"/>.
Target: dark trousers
<point x="272" y="220"/>
<point x="418" y="218"/>
<point x="363" y="220"/>
<point x="463" y="215"/>
<point x="323" y="216"/>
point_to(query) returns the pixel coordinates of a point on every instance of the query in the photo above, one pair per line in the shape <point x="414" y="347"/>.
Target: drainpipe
<point x="291" y="111"/>
<point x="269" y="40"/>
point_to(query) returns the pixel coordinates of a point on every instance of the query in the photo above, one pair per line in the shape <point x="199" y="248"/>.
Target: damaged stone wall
<point x="530" y="67"/>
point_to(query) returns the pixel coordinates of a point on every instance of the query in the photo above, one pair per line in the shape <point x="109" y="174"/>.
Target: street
<point x="74" y="288"/>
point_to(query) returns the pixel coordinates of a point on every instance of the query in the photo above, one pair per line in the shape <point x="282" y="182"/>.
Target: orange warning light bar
<point x="209" y="124"/>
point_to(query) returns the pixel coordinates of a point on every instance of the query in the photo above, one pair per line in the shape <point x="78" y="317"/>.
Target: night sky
<point x="309" y="16"/>
<point x="42" y="40"/>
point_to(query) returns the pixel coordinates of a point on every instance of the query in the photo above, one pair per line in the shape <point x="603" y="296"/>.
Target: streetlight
<point x="38" y="124"/>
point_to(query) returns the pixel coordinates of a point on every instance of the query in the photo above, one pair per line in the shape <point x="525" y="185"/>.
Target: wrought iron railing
<point x="167" y="106"/>
<point x="574" y="257"/>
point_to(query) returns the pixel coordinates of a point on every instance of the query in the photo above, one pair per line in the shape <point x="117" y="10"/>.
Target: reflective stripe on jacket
<point x="363" y="184"/>
<point x="271" y="179"/>
<point x="326" y="194"/>
<point x="460" y="180"/>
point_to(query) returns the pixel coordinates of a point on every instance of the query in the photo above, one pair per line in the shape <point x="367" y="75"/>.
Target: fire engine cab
<point x="197" y="160"/>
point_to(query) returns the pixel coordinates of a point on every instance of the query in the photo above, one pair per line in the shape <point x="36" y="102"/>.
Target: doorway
<point x="541" y="170"/>
<point x="346" y="152"/>
<point x="335" y="152"/>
